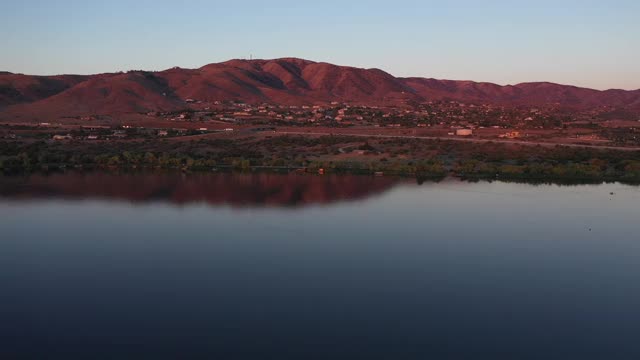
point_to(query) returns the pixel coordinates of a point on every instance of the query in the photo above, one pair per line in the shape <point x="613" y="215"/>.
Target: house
<point x="511" y="135"/>
<point x="62" y="137"/>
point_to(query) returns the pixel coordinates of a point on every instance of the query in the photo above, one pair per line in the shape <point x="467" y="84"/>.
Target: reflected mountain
<point x="256" y="189"/>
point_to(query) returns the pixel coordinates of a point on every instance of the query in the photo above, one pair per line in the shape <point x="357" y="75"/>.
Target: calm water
<point x="299" y="267"/>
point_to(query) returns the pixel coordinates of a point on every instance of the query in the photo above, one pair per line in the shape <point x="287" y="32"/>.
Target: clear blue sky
<point x="587" y="43"/>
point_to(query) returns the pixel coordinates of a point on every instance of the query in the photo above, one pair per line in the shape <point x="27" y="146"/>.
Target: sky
<point x="586" y="43"/>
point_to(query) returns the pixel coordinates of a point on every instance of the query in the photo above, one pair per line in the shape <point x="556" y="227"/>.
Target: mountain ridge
<point x="285" y="81"/>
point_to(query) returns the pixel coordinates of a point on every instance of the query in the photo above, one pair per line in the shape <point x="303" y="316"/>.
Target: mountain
<point x="538" y="93"/>
<point x="106" y="94"/>
<point x="18" y="88"/>
<point x="285" y="81"/>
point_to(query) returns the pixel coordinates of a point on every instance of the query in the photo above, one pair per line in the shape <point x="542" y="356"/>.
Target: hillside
<point x="134" y="92"/>
<point x="18" y="88"/>
<point x="285" y="81"/>
<point x="525" y="93"/>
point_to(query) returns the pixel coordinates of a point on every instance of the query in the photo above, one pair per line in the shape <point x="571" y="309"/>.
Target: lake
<point x="266" y="266"/>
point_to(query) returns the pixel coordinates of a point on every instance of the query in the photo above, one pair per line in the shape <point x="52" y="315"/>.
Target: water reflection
<point x="256" y="189"/>
<point x="450" y="270"/>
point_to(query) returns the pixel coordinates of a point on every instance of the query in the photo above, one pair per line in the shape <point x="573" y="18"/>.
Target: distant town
<point x="604" y="126"/>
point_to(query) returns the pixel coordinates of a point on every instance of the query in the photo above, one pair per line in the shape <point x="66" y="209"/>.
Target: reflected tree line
<point x="235" y="189"/>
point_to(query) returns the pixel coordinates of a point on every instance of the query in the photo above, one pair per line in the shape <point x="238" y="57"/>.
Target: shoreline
<point x="420" y="178"/>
